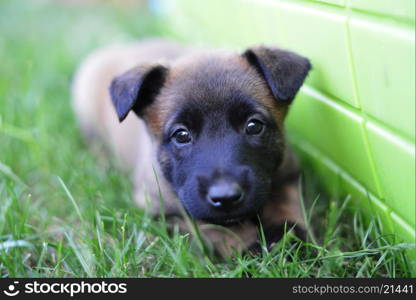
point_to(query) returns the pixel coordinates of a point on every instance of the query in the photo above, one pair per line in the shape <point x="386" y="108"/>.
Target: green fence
<point x="354" y="120"/>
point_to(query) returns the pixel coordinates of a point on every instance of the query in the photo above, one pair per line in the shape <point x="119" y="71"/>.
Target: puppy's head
<point x="218" y="122"/>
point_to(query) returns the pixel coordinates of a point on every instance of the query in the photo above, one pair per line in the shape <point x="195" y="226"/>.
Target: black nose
<point x="225" y="194"/>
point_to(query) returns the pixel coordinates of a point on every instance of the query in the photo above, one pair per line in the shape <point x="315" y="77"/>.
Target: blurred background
<point x="41" y="44"/>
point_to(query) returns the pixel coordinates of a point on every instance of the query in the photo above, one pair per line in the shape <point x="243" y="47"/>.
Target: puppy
<point x="201" y="130"/>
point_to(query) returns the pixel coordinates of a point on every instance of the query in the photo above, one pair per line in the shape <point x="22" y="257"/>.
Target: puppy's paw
<point x="274" y="233"/>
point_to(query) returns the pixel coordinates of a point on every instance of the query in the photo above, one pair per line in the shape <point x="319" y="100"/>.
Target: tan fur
<point x="129" y="140"/>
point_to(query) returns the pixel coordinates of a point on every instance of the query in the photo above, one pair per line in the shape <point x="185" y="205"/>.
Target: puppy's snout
<point x="225" y="194"/>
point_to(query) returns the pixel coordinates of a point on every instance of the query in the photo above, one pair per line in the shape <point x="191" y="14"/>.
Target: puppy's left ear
<point x="136" y="89"/>
<point x="283" y="71"/>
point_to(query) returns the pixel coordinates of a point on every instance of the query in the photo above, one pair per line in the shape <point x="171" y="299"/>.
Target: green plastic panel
<point x="341" y="184"/>
<point x="332" y="46"/>
<point x="310" y="115"/>
<point x="395" y="166"/>
<point x="334" y="2"/>
<point x="383" y="55"/>
<point x="354" y="120"/>
<point x="403" y="9"/>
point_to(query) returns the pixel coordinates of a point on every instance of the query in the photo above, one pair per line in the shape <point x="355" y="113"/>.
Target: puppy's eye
<point x="254" y="127"/>
<point x="182" y="136"/>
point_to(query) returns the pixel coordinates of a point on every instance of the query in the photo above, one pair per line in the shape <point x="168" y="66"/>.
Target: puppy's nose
<point x="225" y="194"/>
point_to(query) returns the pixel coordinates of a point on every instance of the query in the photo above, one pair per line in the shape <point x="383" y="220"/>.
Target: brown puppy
<point x="206" y="133"/>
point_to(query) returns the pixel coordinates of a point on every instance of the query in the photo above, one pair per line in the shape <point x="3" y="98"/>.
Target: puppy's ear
<point x="136" y="89"/>
<point x="283" y="71"/>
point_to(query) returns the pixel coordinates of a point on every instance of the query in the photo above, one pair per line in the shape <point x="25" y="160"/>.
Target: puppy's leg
<point x="282" y="214"/>
<point x="226" y="240"/>
<point x="223" y="241"/>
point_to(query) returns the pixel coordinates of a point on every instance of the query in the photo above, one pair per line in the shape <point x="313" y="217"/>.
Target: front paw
<point x="274" y="233"/>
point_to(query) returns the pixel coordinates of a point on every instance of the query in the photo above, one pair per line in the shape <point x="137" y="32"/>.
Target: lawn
<point x="66" y="213"/>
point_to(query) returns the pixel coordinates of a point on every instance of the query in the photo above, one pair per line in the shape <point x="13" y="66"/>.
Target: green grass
<point x="64" y="212"/>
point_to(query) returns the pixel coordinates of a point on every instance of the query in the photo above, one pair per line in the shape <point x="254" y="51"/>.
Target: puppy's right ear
<point x="136" y="89"/>
<point x="283" y="71"/>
